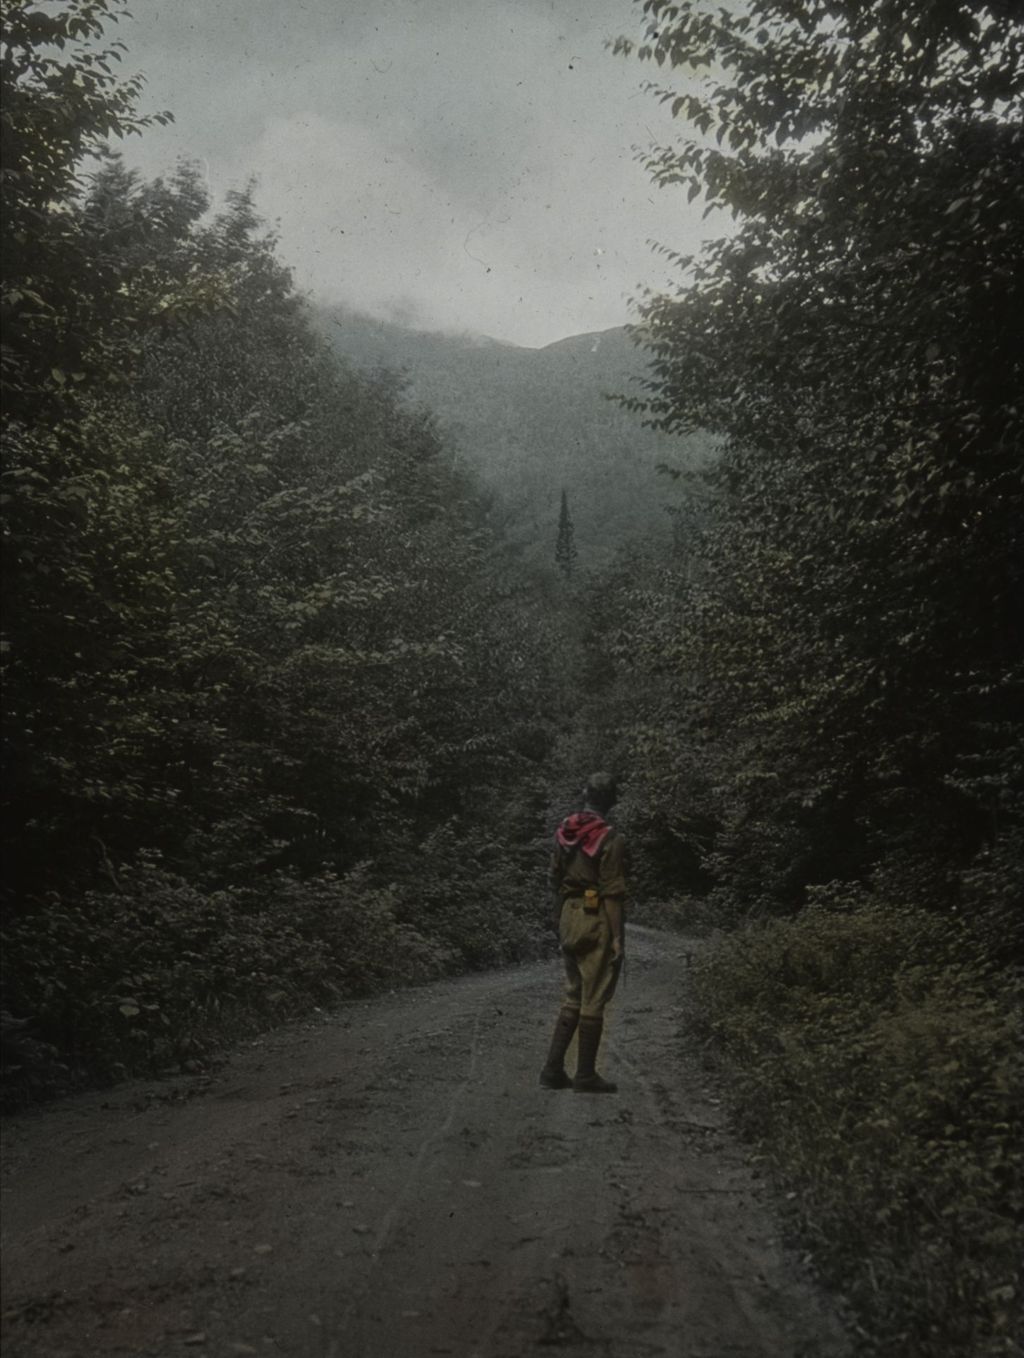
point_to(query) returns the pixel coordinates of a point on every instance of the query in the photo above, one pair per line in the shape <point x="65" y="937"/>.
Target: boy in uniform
<point x="587" y="872"/>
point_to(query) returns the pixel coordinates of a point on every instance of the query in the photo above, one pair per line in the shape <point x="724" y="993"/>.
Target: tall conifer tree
<point x="565" y="545"/>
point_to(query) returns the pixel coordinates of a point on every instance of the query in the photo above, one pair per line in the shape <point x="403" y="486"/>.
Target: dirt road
<point x="392" y="1181"/>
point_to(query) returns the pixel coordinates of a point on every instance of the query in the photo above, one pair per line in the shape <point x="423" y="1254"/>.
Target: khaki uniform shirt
<point x="573" y="873"/>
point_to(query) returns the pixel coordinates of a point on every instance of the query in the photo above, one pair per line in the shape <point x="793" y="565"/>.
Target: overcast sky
<point x="449" y="164"/>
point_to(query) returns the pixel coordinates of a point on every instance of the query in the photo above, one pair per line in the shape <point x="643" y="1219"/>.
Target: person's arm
<point x="617" y="919"/>
<point x="557" y="872"/>
<point x="556" y="875"/>
<point x="612" y="889"/>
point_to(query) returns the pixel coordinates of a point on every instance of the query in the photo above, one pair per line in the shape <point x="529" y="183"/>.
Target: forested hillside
<point x="818" y="700"/>
<point x="534" y="422"/>
<point x="270" y="694"/>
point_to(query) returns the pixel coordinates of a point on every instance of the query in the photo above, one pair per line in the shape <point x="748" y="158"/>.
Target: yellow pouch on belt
<point x="591" y="902"/>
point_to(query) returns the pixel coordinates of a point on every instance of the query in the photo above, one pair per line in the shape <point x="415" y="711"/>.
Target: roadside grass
<point x="874" y="1056"/>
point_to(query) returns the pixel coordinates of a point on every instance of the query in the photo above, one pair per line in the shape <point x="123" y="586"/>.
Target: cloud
<point x="361" y="219"/>
<point x="469" y="164"/>
<point x="365" y="224"/>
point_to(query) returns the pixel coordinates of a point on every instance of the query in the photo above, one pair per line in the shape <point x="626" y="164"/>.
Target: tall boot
<point x="587" y="1080"/>
<point x="553" y="1075"/>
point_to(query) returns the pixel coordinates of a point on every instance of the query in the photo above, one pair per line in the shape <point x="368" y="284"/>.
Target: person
<point x="587" y="872"/>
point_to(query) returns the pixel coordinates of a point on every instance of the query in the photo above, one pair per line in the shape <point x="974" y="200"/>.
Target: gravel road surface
<point x="390" y="1180"/>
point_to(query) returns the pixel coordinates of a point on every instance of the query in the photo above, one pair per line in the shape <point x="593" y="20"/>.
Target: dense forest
<point x="295" y="680"/>
<point x="271" y="693"/>
<point x="827" y="680"/>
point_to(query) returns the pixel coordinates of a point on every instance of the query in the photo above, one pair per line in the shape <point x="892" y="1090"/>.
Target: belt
<point x="590" y="898"/>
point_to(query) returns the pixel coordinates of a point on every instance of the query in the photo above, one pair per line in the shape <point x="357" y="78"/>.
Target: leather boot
<point x="553" y="1075"/>
<point x="587" y="1080"/>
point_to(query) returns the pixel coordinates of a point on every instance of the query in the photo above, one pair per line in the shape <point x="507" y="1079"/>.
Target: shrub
<point x="686" y="915"/>
<point x="156" y="972"/>
<point x="877" y="1062"/>
<point x="483" y="899"/>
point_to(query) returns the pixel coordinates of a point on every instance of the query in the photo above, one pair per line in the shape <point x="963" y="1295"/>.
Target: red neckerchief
<point x="583" y="830"/>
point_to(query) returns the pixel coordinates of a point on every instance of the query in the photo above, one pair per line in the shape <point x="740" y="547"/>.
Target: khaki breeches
<point x="591" y="973"/>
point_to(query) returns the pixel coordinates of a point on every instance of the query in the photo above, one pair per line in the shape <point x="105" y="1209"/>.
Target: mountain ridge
<point x="532" y="422"/>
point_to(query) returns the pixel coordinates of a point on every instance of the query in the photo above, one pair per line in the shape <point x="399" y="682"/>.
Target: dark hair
<point x="600" y="791"/>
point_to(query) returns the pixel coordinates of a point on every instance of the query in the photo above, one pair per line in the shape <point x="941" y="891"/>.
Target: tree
<point x="272" y="620"/>
<point x="62" y="102"/>
<point x="858" y="343"/>
<point x="76" y="478"/>
<point x="834" y="673"/>
<point x="565" y="546"/>
<point x="264" y="659"/>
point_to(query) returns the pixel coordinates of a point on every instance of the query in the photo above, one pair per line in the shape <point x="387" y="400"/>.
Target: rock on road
<point x="391" y="1181"/>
